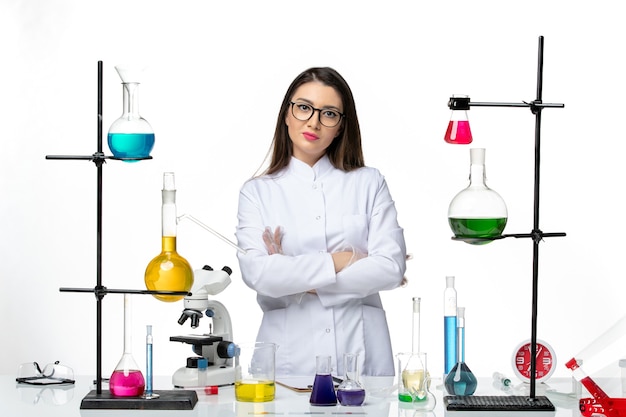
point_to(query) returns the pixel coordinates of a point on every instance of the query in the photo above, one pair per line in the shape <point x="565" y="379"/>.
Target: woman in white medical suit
<point x="321" y="234"/>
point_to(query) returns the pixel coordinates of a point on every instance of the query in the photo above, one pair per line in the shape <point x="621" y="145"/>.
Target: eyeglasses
<point x="327" y="117"/>
<point x="52" y="373"/>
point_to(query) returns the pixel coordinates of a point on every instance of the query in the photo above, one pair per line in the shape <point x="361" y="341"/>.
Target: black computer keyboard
<point x="497" y="403"/>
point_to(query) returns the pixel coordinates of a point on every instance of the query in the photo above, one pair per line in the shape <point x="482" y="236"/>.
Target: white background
<point x="216" y="74"/>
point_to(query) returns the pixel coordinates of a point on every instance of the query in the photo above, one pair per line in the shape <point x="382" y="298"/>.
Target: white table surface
<point x="381" y="401"/>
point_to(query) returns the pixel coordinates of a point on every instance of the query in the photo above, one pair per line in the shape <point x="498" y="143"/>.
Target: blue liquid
<point x="131" y="145"/>
<point x="351" y="397"/>
<point x="323" y="391"/>
<point x="449" y="342"/>
<point x="460" y="380"/>
<point x="148" y="369"/>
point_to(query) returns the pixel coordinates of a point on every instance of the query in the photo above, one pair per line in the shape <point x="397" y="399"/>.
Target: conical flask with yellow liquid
<point x="168" y="271"/>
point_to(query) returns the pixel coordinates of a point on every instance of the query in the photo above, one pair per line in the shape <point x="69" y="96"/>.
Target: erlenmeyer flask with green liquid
<point x="168" y="271"/>
<point x="477" y="214"/>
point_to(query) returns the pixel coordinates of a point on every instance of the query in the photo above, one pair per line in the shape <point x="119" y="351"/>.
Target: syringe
<point x="501" y="379"/>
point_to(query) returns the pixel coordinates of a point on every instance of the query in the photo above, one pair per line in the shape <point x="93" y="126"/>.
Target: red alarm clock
<point x="545" y="361"/>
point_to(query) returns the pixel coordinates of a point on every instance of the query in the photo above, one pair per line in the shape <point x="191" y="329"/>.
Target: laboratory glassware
<point x="600" y="352"/>
<point x="477" y="214"/>
<point x="449" y="325"/>
<point x="255" y="372"/>
<point x="415" y="341"/>
<point x="458" y="131"/>
<point x="127" y="380"/>
<point x="149" y="393"/>
<point x="414" y="381"/>
<point x="130" y="136"/>
<point x="168" y="271"/>
<point x="460" y="380"/>
<point x="323" y="392"/>
<point x="350" y="392"/>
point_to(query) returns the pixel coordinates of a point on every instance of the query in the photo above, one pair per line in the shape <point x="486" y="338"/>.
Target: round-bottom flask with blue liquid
<point x="130" y="137"/>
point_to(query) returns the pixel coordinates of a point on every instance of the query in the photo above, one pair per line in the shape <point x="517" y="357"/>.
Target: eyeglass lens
<point x="304" y="111"/>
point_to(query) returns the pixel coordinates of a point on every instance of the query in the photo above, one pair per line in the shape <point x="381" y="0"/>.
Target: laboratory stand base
<point x="497" y="403"/>
<point x="167" y="400"/>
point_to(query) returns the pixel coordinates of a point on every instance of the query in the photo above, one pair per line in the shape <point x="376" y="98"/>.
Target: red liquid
<point x="458" y="132"/>
<point x="129" y="385"/>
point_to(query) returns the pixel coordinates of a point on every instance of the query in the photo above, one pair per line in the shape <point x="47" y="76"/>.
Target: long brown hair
<point x="345" y="152"/>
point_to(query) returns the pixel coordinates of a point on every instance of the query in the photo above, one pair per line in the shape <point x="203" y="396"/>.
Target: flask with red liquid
<point x="127" y="380"/>
<point x="458" y="131"/>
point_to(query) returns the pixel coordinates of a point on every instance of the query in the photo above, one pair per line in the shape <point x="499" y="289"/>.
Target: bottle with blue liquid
<point x="449" y="323"/>
<point x="130" y="137"/>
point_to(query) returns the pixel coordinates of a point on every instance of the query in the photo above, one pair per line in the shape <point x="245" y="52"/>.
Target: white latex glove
<point x="273" y="243"/>
<point x="356" y="255"/>
<point x="405" y="280"/>
<point x="273" y="240"/>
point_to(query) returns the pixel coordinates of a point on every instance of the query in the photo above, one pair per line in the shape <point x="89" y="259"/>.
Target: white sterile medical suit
<point x="322" y="210"/>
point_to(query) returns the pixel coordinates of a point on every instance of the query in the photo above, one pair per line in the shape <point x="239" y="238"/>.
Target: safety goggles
<point x="52" y="374"/>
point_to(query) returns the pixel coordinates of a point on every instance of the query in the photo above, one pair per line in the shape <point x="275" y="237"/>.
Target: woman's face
<point x="310" y="137"/>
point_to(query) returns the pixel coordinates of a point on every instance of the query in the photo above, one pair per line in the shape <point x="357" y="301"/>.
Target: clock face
<point x="545" y="361"/>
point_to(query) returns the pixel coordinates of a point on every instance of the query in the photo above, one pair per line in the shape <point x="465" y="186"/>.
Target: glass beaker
<point x="130" y="136"/>
<point x="414" y="381"/>
<point x="458" y="131"/>
<point x="127" y="380"/>
<point x="477" y="213"/>
<point x="254" y="372"/>
<point x="323" y="392"/>
<point x="168" y="271"/>
<point x="350" y="392"/>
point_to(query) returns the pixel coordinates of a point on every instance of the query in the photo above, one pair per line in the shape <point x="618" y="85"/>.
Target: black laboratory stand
<point x="536" y="106"/>
<point x="97" y="399"/>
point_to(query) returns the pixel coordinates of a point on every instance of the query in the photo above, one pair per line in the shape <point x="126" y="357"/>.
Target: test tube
<point x="149" y="393"/>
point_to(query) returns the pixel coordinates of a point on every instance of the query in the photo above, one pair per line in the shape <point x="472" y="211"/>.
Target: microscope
<point x="215" y="350"/>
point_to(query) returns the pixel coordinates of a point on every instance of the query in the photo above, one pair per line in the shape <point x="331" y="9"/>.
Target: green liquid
<point x="477" y="228"/>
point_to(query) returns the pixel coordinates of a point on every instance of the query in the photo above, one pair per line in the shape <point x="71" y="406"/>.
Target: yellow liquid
<point x="169" y="272"/>
<point x="413" y="382"/>
<point x="254" y="391"/>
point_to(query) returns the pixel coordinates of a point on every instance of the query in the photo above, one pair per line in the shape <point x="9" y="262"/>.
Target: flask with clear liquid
<point x="414" y="381"/>
<point x="168" y="271"/>
<point x="130" y="136"/>
<point x="477" y="214"/>
<point x="350" y="392"/>
<point x="127" y="380"/>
